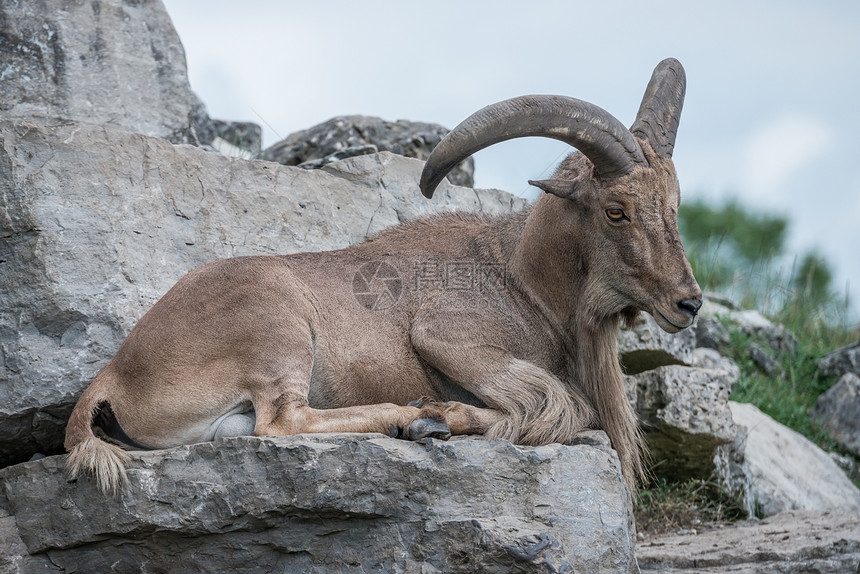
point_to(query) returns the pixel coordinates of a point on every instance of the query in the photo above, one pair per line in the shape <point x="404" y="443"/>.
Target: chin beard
<point x="629" y="316"/>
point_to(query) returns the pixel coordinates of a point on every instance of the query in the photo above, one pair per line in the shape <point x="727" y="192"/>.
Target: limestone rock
<point x="789" y="542"/>
<point x="97" y="224"/>
<point x="684" y="413"/>
<point x="775" y="469"/>
<point x="103" y="62"/>
<point x="764" y="360"/>
<point x="348" y="136"/>
<point x="841" y="361"/>
<point x="838" y="410"/>
<point x="711" y="334"/>
<point x="720" y="302"/>
<point x="329" y="503"/>
<point x="777" y="337"/>
<point x="646" y="346"/>
<point x="705" y="358"/>
<point x="847" y="463"/>
<point x="246" y="136"/>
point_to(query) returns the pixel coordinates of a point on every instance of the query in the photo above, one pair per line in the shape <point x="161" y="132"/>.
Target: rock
<point x="755" y="325"/>
<point x="97" y="224"/>
<point x="329" y="503"/>
<point x="103" y="62"/>
<point x="246" y="136"/>
<point x="789" y="542"/>
<point x="243" y="135"/>
<point x="705" y="358"/>
<point x="322" y="143"/>
<point x="711" y="334"/>
<point x="841" y="361"/>
<point x="685" y="416"/>
<point x="848" y="464"/>
<point x="352" y="151"/>
<point x="838" y="410"/>
<point x="774" y="469"/>
<point x="764" y="360"/>
<point x="715" y="299"/>
<point x="646" y="346"/>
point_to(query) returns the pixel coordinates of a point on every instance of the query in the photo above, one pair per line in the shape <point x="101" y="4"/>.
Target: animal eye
<point x="616" y="214"/>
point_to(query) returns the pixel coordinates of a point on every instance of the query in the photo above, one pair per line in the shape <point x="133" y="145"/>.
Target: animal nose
<point x="690" y="306"/>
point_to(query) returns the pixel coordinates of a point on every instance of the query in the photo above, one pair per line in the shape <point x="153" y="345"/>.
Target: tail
<point x="102" y="461"/>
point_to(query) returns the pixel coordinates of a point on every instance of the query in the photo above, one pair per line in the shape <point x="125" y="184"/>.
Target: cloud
<point x="780" y="149"/>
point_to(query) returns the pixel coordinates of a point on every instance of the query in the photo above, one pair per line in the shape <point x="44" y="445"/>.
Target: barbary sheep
<point x="454" y="324"/>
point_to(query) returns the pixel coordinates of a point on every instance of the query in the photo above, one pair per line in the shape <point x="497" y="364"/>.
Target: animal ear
<point x="563" y="188"/>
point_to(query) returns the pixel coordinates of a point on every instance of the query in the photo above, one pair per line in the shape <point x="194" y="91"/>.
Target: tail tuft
<point x="102" y="461"/>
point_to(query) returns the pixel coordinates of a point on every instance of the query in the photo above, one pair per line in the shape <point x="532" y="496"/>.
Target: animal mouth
<point x="667" y="324"/>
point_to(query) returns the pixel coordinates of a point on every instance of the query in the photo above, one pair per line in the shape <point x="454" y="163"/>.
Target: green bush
<point x="741" y="254"/>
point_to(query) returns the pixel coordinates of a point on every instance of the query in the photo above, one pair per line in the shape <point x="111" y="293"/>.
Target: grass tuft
<point x="668" y="507"/>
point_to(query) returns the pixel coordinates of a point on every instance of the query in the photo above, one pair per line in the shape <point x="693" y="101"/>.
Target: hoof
<point x="420" y="403"/>
<point x="428" y="428"/>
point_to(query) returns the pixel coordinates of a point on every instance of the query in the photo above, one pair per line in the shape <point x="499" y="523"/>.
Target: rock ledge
<point x="328" y="503"/>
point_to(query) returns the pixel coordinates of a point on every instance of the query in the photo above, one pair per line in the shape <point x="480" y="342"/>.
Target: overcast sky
<point x="773" y="87"/>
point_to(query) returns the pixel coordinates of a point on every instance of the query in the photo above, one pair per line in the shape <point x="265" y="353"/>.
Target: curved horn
<point x="603" y="139"/>
<point x="660" y="111"/>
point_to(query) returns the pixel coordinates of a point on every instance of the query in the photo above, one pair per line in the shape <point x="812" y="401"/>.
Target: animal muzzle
<point x="690" y="306"/>
<point x="678" y="310"/>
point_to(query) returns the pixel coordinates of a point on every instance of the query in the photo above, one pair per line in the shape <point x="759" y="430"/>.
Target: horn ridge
<point x="660" y="110"/>
<point x="595" y="132"/>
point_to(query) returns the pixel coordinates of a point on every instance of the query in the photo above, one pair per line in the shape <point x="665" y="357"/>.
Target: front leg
<point x="460" y="418"/>
<point x="527" y="404"/>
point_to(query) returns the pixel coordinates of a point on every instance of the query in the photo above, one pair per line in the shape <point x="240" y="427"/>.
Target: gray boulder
<point x="245" y="136"/>
<point x="779" y="339"/>
<point x="787" y="543"/>
<point x="97" y="224"/>
<point x="764" y="360"/>
<point x="711" y="334"/>
<point x="685" y="415"/>
<point x="646" y="346"/>
<point x="838" y="410"/>
<point x="328" y="503"/>
<point x="349" y="136"/>
<point x="103" y="62"/>
<point x="705" y="358"/>
<point x="774" y="469"/>
<point x="841" y="361"/>
<point x="848" y="464"/>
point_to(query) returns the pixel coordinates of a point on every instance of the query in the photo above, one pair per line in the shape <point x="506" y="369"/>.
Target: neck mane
<point x="553" y="270"/>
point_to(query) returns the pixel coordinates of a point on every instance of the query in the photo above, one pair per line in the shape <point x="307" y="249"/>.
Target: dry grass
<point x="664" y="507"/>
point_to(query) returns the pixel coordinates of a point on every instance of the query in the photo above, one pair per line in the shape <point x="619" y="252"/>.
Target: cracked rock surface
<point x="811" y="541"/>
<point x="328" y="503"/>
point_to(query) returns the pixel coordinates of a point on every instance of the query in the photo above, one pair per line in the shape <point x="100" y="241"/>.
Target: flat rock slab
<point x="775" y="469"/>
<point x="820" y="542"/>
<point x="328" y="503"/>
